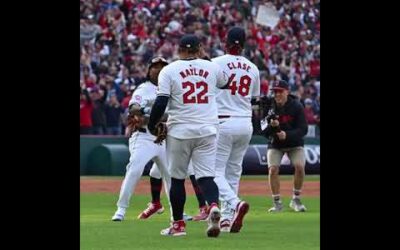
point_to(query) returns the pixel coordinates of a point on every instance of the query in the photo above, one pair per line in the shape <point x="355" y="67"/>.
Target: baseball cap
<point x="189" y="41"/>
<point x="158" y="59"/>
<point x="280" y="85"/>
<point x="236" y="35"/>
<point x="154" y="61"/>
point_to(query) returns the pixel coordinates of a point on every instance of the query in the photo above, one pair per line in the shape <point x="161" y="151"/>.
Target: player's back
<point x="191" y="86"/>
<point x="244" y="83"/>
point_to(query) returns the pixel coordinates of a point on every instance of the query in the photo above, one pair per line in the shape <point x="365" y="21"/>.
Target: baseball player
<point x="188" y="87"/>
<point x="141" y="143"/>
<point x="156" y="185"/>
<point x="236" y="129"/>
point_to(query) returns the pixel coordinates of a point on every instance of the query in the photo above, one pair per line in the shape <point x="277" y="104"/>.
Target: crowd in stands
<point x="119" y="37"/>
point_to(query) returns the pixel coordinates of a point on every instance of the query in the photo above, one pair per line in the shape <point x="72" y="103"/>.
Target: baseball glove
<point x="133" y="123"/>
<point x="160" y="132"/>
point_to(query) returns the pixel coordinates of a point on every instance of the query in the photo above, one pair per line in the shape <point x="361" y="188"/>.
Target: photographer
<point x="286" y="128"/>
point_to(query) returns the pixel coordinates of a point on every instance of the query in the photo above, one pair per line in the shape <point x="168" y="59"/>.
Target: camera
<point x="267" y="103"/>
<point x="272" y="116"/>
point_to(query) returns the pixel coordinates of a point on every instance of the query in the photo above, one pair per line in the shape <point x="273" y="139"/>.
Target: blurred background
<point x="119" y="37"/>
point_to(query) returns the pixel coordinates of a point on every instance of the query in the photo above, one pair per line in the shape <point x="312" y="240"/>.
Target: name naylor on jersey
<point x="238" y="65"/>
<point x="194" y="72"/>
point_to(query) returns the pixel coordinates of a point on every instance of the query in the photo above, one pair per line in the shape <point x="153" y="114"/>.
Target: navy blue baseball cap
<point x="280" y="85"/>
<point x="236" y="36"/>
<point x="189" y="41"/>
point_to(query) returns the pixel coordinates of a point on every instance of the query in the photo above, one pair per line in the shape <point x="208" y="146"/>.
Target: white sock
<point x="276" y="197"/>
<point x="296" y="194"/>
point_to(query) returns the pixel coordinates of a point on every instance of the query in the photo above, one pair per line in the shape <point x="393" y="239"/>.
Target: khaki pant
<point x="296" y="156"/>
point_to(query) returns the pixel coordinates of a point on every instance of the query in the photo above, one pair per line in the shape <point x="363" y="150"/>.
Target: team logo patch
<point x="138" y="98"/>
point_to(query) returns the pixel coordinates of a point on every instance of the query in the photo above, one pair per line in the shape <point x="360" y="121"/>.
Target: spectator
<point x="86" y="109"/>
<point x="311" y="118"/>
<point x="264" y="85"/>
<point x="98" y="114"/>
<point x="113" y="111"/>
<point x="118" y="37"/>
<point x="127" y="98"/>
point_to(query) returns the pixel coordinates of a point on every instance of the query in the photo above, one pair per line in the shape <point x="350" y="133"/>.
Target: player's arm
<point x="161" y="102"/>
<point x="138" y="102"/>
<point x="157" y="112"/>
<point x="222" y="78"/>
<point x="136" y="109"/>
<point x="135" y="117"/>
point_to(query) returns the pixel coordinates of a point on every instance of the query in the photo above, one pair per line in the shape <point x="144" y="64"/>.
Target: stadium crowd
<point x="119" y="37"/>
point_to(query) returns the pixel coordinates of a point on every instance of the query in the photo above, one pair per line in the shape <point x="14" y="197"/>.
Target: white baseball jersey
<point x="244" y="83"/>
<point x="191" y="86"/>
<point x="144" y="96"/>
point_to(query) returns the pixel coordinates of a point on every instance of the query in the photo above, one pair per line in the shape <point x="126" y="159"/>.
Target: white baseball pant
<point x="155" y="173"/>
<point x="142" y="149"/>
<point x="200" y="150"/>
<point x="233" y="139"/>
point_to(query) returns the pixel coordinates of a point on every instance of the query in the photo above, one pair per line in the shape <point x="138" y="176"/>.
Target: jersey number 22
<point x="199" y="98"/>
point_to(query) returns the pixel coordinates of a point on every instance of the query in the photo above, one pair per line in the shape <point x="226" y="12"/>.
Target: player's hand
<point x="128" y="131"/>
<point x="161" y="132"/>
<point x="281" y="135"/>
<point x="274" y="123"/>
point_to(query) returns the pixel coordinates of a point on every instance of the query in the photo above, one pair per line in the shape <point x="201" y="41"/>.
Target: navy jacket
<point x="291" y="120"/>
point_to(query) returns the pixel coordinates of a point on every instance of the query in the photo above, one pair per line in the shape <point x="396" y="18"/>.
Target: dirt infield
<point x="247" y="187"/>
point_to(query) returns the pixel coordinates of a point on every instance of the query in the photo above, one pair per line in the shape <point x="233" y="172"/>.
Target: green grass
<point x="281" y="177"/>
<point x="244" y="177"/>
<point x="283" y="231"/>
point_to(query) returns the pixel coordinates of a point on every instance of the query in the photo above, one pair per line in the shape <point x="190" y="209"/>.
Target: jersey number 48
<point x="244" y="85"/>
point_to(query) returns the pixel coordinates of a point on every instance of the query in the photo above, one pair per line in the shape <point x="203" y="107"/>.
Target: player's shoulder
<point x="207" y="62"/>
<point x="206" y="65"/>
<point x="173" y="67"/>
<point x="222" y="58"/>
<point x="168" y="67"/>
<point x="142" y="87"/>
<point x="251" y="64"/>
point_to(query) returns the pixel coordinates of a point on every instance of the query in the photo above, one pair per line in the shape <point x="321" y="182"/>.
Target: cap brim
<point x="161" y="62"/>
<point x="278" y="88"/>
